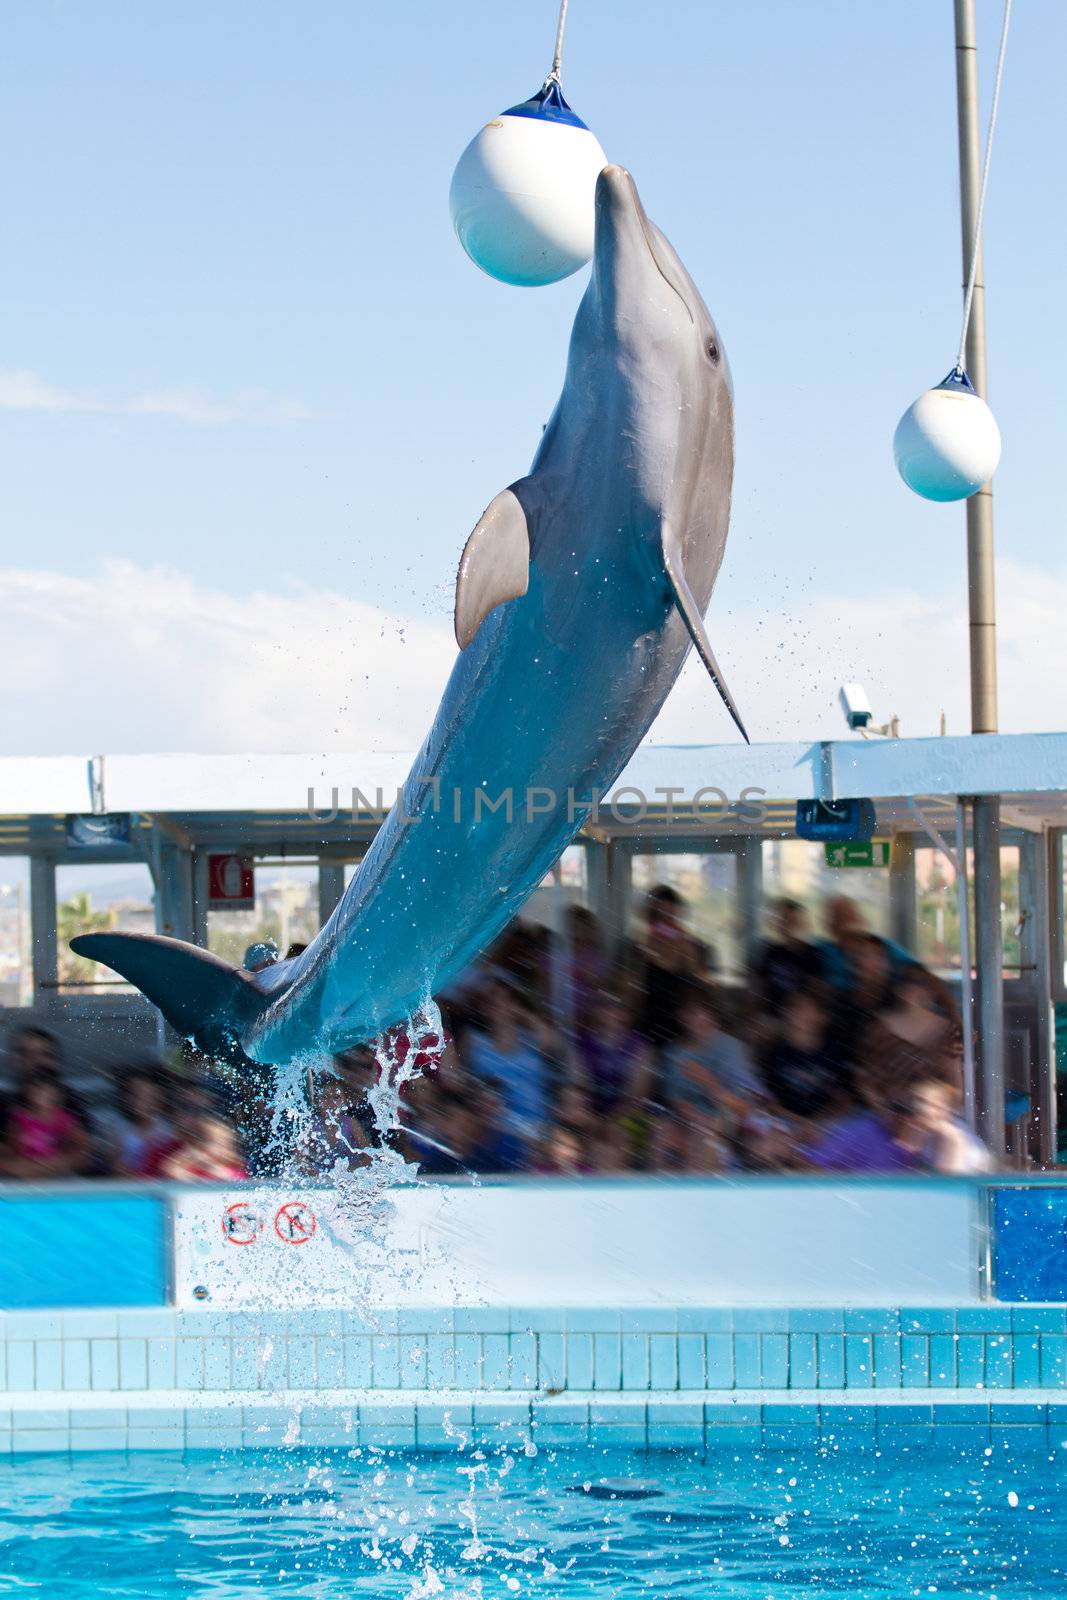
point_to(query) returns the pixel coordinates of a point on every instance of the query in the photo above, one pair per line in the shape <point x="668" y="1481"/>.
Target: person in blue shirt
<point x="509" y="1049"/>
<point x="845" y="924"/>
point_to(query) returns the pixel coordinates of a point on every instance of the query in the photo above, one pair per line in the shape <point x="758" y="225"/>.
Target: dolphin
<point x="580" y="592"/>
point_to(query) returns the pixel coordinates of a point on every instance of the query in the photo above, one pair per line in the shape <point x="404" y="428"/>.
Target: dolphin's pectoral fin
<point x="494" y="566"/>
<point x="691" y="616"/>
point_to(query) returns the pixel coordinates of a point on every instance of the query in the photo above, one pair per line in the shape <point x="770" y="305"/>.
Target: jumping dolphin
<point x="579" y="593"/>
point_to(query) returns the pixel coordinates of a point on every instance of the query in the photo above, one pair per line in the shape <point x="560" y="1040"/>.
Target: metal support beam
<point x="989" y="962"/>
<point x="980" y="560"/>
<point x="1036" y="864"/>
<point x="43" y="931"/>
<point x="200" y="888"/>
<point x="618" y="868"/>
<point x="596" y="879"/>
<point x="331" y="887"/>
<point x="903" y="920"/>
<point x="172" y="871"/>
<point x="982" y="611"/>
<point x="750" y="896"/>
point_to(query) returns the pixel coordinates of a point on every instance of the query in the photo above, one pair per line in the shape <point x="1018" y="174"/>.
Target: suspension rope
<point x="968" y="301"/>
<point x="557" y="55"/>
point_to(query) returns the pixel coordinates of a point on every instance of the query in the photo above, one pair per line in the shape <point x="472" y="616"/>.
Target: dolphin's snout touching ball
<point x="579" y="594"/>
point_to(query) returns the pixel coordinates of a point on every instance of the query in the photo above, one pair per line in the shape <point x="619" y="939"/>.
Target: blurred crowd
<point x="837" y="1053"/>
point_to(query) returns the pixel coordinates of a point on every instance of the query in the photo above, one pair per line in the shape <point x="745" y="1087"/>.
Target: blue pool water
<point x="576" y="1525"/>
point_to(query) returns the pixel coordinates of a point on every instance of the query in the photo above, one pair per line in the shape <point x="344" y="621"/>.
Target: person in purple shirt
<point x="916" y="1132"/>
<point x="614" y="1060"/>
<point x="865" y="1143"/>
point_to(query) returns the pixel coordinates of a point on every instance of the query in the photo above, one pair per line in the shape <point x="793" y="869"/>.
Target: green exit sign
<point x="859" y="853"/>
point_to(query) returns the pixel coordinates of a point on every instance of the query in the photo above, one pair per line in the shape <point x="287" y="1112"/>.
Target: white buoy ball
<point x="947" y="444"/>
<point x="522" y="195"/>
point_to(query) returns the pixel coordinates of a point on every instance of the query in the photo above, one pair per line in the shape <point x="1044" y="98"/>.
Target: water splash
<point x="355" y="1204"/>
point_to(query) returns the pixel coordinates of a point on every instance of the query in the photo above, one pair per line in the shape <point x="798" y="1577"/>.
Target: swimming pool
<point x="585" y="1525"/>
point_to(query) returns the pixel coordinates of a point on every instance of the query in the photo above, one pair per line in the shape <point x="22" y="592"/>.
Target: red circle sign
<point x="240" y="1224"/>
<point x="295" y="1222"/>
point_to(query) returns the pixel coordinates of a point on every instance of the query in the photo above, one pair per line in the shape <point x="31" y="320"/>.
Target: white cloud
<point x="28" y="391"/>
<point x="148" y="659"/>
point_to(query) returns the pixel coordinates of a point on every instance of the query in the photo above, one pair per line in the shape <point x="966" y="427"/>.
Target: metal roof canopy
<point x="263" y="800"/>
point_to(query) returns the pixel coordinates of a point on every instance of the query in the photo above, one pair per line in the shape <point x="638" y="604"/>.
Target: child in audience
<point x="43" y="1139"/>
<point x="708" y="1070"/>
<point x="141" y="1123"/>
<point x="207" y="1154"/>
<point x="614" y="1059"/>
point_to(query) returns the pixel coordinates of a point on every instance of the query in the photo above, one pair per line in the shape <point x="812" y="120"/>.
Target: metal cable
<point x="557" y="55"/>
<point x="977" y="242"/>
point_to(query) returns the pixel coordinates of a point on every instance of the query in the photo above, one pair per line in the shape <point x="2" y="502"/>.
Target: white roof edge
<point x="1026" y="763"/>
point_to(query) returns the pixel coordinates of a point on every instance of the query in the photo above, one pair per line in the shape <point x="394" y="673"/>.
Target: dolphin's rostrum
<point x="579" y="593"/>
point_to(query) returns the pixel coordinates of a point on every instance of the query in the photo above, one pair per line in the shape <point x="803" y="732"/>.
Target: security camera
<point x="856" y="706"/>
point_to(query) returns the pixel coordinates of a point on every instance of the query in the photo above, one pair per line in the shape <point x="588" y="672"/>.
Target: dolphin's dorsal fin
<point x="685" y="600"/>
<point x="494" y="566"/>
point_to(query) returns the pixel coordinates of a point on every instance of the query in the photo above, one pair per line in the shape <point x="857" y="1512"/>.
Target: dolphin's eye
<point x="714" y="353"/>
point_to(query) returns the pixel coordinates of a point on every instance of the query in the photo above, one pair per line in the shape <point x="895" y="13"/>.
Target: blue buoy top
<point x="958" y="379"/>
<point x="549" y="105"/>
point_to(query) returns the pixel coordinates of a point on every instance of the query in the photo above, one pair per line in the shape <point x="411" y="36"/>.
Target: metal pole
<point x="980" y="574"/>
<point x="988" y="941"/>
<point x="966" y="987"/>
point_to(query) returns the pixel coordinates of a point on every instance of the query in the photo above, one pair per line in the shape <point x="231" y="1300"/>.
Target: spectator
<point x="845" y="923"/>
<point x="843" y="919"/>
<point x="668" y="1143"/>
<point x="448" y="1138"/>
<point x="647" y="1079"/>
<point x="706" y="1140"/>
<point x="585" y="966"/>
<point x="708" y="1070"/>
<point x="786" y="962"/>
<point x="865" y="992"/>
<point x="561" y="1154"/>
<point x="260" y="955"/>
<point x="801" y="1070"/>
<point x="611" y="1146"/>
<point x="43" y="1139"/>
<point x="665" y="966"/>
<point x="704" y="961"/>
<point x="497" y="1150"/>
<point x="917" y="1035"/>
<point x="915" y="1132"/>
<point x="889" y="1140"/>
<point x="508" y="1050"/>
<point x="950" y="1147"/>
<point x="921" y="1010"/>
<point x="612" y="1057"/>
<point x="573" y="1108"/>
<point x="335" y="1135"/>
<point x="191" y="1102"/>
<point x="32" y="1049"/>
<point x="205" y="1152"/>
<point x="29" y="1050"/>
<point x="140" y="1123"/>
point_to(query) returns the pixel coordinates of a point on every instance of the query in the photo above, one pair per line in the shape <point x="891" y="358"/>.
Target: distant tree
<point x="75" y="916"/>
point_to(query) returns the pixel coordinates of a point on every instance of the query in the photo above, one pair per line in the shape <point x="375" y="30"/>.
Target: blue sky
<point x="241" y="344"/>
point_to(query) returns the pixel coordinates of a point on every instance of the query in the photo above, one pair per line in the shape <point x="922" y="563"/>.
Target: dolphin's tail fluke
<point x="199" y="994"/>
